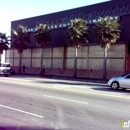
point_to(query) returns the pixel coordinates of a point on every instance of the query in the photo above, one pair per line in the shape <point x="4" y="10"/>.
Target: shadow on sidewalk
<point x="71" y="83"/>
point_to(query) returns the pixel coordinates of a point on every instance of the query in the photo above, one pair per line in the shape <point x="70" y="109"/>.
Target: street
<point x="32" y="103"/>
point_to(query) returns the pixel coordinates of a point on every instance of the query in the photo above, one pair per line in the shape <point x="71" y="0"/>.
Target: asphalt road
<point x="30" y="103"/>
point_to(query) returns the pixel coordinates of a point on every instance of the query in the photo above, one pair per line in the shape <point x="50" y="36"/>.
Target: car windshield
<point x="4" y="65"/>
<point x="125" y="74"/>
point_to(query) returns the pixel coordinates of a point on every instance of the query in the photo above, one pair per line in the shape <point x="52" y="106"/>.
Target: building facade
<point x="58" y="53"/>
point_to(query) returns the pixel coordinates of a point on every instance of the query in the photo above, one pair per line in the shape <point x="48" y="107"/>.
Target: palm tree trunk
<point x="105" y="64"/>
<point x="75" y="64"/>
<point x="41" y="61"/>
<point x="20" y="62"/>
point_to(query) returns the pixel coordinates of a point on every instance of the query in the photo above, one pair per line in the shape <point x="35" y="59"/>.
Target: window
<point x="128" y="76"/>
<point x="4" y="65"/>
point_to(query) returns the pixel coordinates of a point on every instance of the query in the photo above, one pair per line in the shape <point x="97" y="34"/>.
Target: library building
<point x="58" y="55"/>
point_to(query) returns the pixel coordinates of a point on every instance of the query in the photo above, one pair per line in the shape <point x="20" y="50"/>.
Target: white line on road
<point x="91" y="105"/>
<point x="70" y="86"/>
<point x="65" y="99"/>
<point x="21" y="111"/>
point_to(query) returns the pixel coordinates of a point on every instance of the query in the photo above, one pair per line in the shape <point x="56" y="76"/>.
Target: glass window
<point x="6" y="65"/>
<point x="128" y="76"/>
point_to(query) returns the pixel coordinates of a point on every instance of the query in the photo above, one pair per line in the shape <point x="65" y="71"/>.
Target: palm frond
<point x="77" y="32"/>
<point x="107" y="30"/>
<point x="42" y="35"/>
<point x="4" y="42"/>
<point x="20" y="38"/>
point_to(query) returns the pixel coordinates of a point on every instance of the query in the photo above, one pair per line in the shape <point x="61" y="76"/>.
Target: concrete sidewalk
<point x="62" y="78"/>
<point x="81" y="73"/>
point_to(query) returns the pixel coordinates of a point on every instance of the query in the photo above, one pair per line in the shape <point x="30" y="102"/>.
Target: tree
<point x="43" y="37"/>
<point x="76" y="35"/>
<point x="4" y="42"/>
<point x="20" y="39"/>
<point x="107" y="32"/>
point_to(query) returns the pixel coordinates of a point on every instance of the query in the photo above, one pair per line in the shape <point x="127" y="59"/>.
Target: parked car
<point x="12" y="71"/>
<point x="122" y="81"/>
<point x="5" y="69"/>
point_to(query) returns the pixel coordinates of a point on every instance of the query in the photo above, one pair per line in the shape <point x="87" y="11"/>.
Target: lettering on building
<point x="89" y="17"/>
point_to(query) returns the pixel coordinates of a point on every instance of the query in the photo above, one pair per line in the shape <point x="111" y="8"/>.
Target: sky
<point x="11" y="10"/>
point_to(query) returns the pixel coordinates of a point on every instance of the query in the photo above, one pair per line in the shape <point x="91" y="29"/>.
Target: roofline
<point x="64" y="10"/>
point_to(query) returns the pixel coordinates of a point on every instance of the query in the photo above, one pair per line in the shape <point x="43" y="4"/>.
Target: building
<point x="59" y="55"/>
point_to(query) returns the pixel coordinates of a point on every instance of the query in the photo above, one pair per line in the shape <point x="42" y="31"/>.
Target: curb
<point x="64" y="78"/>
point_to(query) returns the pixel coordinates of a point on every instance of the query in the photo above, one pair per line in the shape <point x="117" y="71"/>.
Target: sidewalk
<point x="63" y="78"/>
<point x="82" y="74"/>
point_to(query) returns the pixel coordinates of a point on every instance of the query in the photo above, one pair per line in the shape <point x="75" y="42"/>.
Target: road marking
<point x="70" y="86"/>
<point x="93" y="93"/>
<point x="67" y="89"/>
<point x="65" y="99"/>
<point x="11" y="108"/>
<point x="91" y="105"/>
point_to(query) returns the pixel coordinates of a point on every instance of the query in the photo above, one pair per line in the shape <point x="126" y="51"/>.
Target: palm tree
<point x="4" y="42"/>
<point x="20" y="39"/>
<point x="76" y="35"/>
<point x="107" y="32"/>
<point x="43" y="37"/>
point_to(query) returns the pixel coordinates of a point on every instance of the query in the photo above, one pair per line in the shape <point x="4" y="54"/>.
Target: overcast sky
<point x="11" y="10"/>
